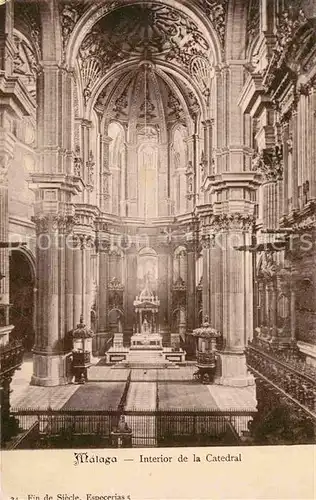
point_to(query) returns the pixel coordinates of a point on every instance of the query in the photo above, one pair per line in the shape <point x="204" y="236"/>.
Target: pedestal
<point x="118" y="341"/>
<point x="51" y="370"/>
<point x="233" y="370"/>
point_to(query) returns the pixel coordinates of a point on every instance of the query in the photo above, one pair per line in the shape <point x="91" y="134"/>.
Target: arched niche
<point x="116" y="264"/>
<point x="180" y="267"/>
<point x="147" y="268"/>
<point x="148" y="163"/>
<point x="179" y="159"/>
<point x="116" y="186"/>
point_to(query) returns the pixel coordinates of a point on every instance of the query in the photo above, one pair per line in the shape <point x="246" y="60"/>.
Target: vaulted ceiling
<point x="153" y="41"/>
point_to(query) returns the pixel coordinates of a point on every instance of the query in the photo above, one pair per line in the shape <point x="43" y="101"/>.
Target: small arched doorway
<point x="22" y="283"/>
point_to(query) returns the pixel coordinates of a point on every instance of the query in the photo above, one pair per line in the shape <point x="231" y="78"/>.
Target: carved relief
<point x="70" y="13"/>
<point x="25" y="64"/>
<point x="27" y="15"/>
<point x="232" y="222"/>
<point x="90" y="165"/>
<point x="78" y="163"/>
<point x="216" y="10"/>
<point x="61" y="222"/>
<point x="146" y="31"/>
<point x="269" y="163"/>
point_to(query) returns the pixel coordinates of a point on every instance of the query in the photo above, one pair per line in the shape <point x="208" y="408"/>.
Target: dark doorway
<point x="22" y="299"/>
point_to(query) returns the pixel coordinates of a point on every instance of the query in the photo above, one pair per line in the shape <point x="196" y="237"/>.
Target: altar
<point x="146" y="332"/>
<point x="146" y="347"/>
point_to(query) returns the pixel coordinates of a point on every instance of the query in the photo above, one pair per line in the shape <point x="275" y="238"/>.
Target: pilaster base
<point x="233" y="370"/>
<point x="50" y="370"/>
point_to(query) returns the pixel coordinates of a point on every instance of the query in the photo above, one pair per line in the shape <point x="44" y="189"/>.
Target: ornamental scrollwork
<point x="269" y="163"/>
<point x="147" y="31"/>
<point x="58" y="222"/>
<point x="289" y="22"/>
<point x="216" y="10"/>
<point x="70" y="13"/>
<point x="232" y="222"/>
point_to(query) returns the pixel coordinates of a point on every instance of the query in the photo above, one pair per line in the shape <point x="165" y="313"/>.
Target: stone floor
<point x="174" y="386"/>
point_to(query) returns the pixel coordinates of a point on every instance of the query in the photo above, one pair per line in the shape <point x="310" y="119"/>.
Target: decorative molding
<point x="216" y="10"/>
<point x="90" y="166"/>
<point x="121" y="35"/>
<point x="46" y="223"/>
<point x="269" y="163"/>
<point x="28" y="14"/>
<point x="70" y="12"/>
<point x="232" y="222"/>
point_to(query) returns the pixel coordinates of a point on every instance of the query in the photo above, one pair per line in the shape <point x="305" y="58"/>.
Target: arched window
<point x="148" y="173"/>
<point x="147" y="268"/>
<point x="179" y="161"/>
<point x="116" y="164"/>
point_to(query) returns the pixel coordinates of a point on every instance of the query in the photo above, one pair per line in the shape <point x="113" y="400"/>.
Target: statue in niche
<point x="146" y="327"/>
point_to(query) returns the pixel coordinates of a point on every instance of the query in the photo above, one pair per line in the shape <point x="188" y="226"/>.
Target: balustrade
<point x="286" y="371"/>
<point x="11" y="357"/>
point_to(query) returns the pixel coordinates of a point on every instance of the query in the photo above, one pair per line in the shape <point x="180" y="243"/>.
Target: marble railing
<point x="285" y="371"/>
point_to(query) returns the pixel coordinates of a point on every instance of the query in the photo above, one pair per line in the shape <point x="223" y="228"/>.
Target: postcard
<point x="157" y="249"/>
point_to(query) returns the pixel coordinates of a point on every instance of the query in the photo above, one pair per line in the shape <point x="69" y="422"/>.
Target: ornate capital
<point x="216" y="10"/>
<point x="206" y="242"/>
<point x="269" y="163"/>
<point x="59" y="222"/>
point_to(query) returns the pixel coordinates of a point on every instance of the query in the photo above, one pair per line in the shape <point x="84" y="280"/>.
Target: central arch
<point x="103" y="8"/>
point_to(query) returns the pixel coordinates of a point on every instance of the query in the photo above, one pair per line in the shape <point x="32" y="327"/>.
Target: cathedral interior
<point x="158" y="219"/>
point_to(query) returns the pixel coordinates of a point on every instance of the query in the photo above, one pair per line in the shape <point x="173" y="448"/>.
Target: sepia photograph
<point x="157" y="226"/>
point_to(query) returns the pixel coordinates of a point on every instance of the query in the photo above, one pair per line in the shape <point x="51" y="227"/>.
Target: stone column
<point x="130" y="289"/>
<point x="285" y="136"/>
<point x="50" y="365"/>
<point x="191" y="287"/>
<point x="4" y="226"/>
<point x="293" y="311"/>
<point x="77" y="281"/>
<point x="313" y="142"/>
<point x="294" y="163"/>
<point x="163" y="286"/>
<point x="274" y="308"/>
<point x="216" y="283"/>
<point x="103" y="298"/>
<point x="237" y="299"/>
<point x="206" y="277"/>
<point x="69" y="285"/>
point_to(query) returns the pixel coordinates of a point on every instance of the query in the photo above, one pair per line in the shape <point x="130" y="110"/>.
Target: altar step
<point x="145" y="360"/>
